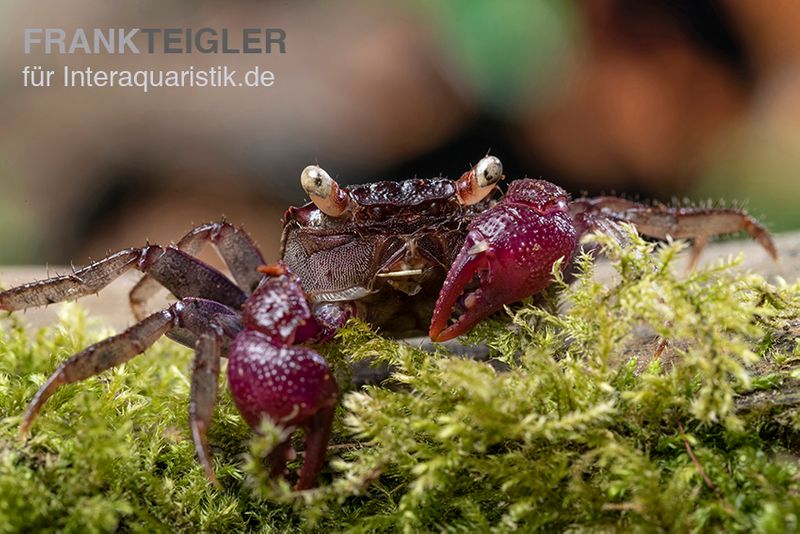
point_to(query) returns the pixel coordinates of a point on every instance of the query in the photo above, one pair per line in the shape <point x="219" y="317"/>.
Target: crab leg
<point x="661" y="222"/>
<point x="209" y="320"/>
<point x="233" y="244"/>
<point x="599" y="204"/>
<point x="85" y="281"/>
<point x="186" y="276"/>
<point x="182" y="274"/>
<point x="205" y="375"/>
<point x="236" y="247"/>
<point x="99" y="357"/>
<point x="698" y="224"/>
<point x="317" y="433"/>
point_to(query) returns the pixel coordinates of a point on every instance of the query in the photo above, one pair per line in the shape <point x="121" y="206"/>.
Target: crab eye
<point x="475" y="184"/>
<point x="324" y="191"/>
<point x="316" y="182"/>
<point x="488" y="171"/>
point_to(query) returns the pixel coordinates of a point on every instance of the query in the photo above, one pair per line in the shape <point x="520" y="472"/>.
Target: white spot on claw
<point x="477" y="248"/>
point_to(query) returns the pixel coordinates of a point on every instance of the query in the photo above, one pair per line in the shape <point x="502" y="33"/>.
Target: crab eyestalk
<point x="324" y="192"/>
<point x="475" y="184"/>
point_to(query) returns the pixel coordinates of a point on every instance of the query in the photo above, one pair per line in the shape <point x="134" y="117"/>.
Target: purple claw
<point x="290" y="384"/>
<point x="270" y="376"/>
<point x="278" y="308"/>
<point x="507" y="256"/>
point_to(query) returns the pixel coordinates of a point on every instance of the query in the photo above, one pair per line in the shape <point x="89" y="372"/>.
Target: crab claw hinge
<point x="475" y="184"/>
<point x="324" y="192"/>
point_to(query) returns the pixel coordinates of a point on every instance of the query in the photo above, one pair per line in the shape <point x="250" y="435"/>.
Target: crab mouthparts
<point x="463" y="301"/>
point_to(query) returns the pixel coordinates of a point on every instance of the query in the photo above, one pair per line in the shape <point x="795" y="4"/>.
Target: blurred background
<point x="656" y="99"/>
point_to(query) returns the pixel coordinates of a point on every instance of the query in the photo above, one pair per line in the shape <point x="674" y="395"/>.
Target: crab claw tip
<point x="464" y="296"/>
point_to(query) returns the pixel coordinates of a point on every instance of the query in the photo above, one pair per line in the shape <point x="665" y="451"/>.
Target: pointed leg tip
<point x="772" y="251"/>
<point x="27" y="422"/>
<point x="761" y="235"/>
<point x="765" y="240"/>
<point x="24" y="431"/>
<point x="203" y="456"/>
<point x="317" y="434"/>
<point x="212" y="477"/>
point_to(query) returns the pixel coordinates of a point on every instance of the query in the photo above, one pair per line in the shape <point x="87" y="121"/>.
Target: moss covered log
<point x="659" y="399"/>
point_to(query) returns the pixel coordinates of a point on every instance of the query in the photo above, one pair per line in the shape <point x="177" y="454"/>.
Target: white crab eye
<point x="479" y="181"/>
<point x="324" y="192"/>
<point x="488" y="171"/>
<point x="316" y="182"/>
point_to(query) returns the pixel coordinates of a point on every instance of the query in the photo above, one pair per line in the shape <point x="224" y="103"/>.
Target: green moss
<point x="583" y="424"/>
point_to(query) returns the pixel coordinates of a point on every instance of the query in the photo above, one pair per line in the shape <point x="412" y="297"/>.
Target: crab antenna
<point x="324" y="192"/>
<point x="475" y="184"/>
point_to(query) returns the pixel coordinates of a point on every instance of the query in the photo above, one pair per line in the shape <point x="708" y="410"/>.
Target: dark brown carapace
<point x="389" y="255"/>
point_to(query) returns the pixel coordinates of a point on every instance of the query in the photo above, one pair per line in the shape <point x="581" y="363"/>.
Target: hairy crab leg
<point x="144" y="290"/>
<point x="599" y="204"/>
<point x="661" y="222"/>
<point x="85" y="281"/>
<point x="209" y="320"/>
<point x="182" y="274"/>
<point x="236" y="248"/>
<point x="699" y="224"/>
<point x="205" y="375"/>
<point x="99" y="357"/>
<point x="210" y="324"/>
<point x="234" y="245"/>
<point x="186" y="276"/>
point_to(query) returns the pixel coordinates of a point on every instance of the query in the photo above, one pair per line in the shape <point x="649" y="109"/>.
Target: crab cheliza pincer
<point x="430" y="254"/>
